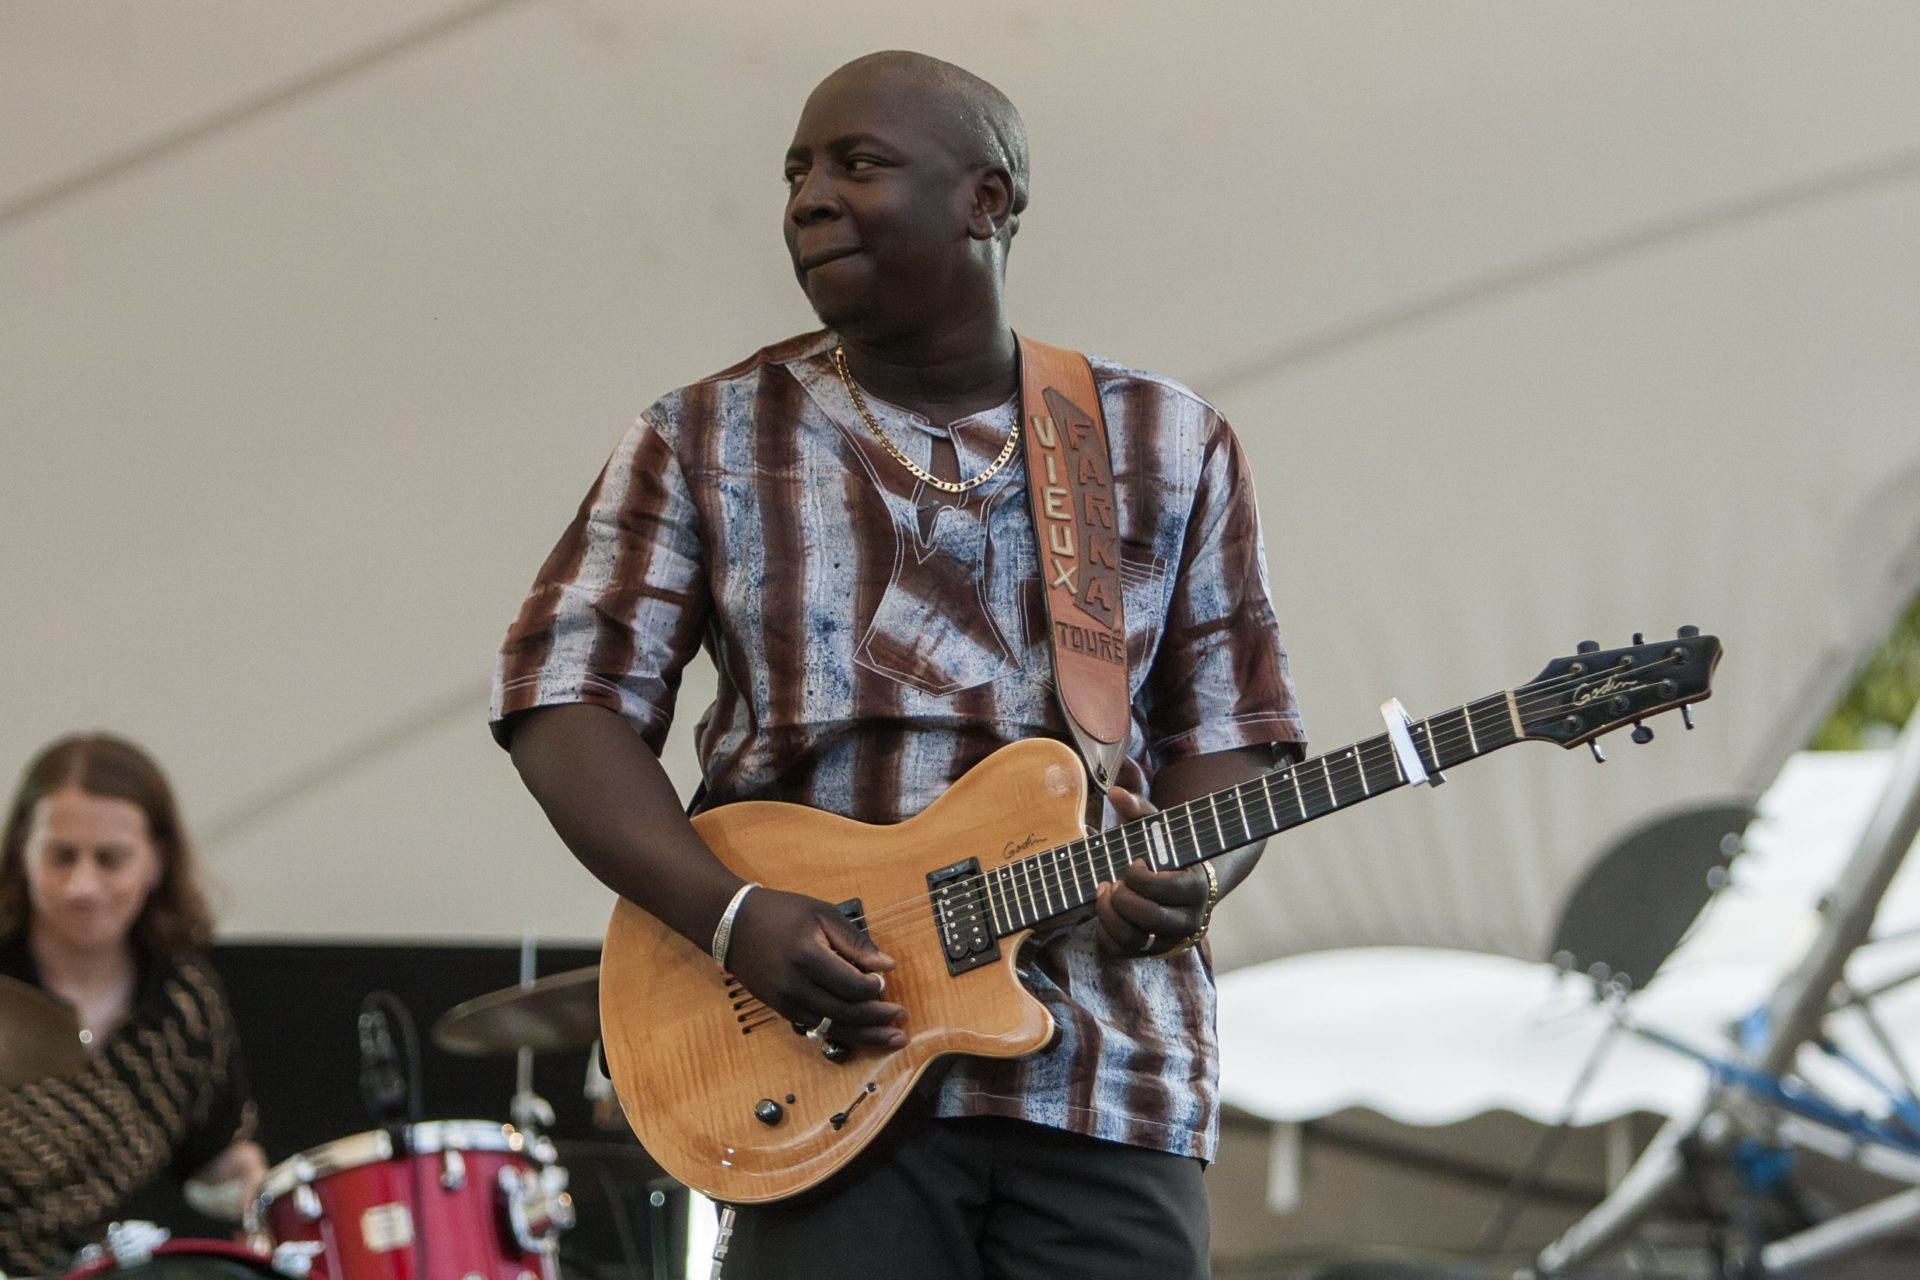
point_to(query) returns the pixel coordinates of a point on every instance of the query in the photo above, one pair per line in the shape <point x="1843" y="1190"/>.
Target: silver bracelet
<point x="723" y="932"/>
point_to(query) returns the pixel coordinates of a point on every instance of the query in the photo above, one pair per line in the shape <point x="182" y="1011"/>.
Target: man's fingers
<point x="854" y="948"/>
<point x="1185" y="888"/>
<point x="1129" y="805"/>
<point x="871" y="1022"/>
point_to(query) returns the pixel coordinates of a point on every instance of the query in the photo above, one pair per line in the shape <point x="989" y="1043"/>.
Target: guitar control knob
<point x="834" y="1051"/>
<point x="768" y="1112"/>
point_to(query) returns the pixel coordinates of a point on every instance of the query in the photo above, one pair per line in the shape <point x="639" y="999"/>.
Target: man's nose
<point x="813" y="200"/>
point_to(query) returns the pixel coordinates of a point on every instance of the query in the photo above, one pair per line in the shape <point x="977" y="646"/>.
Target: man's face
<point x="879" y="205"/>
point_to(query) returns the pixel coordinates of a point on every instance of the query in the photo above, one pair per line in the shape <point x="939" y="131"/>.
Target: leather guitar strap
<point x="1070" y="486"/>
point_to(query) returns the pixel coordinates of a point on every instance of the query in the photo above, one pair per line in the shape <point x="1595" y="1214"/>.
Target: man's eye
<point x="794" y="175"/>
<point x="857" y="163"/>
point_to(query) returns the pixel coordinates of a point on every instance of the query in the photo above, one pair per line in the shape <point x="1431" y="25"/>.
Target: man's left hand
<point x="1147" y="912"/>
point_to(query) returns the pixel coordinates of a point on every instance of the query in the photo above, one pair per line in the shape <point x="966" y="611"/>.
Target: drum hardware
<point x="295" y="1257"/>
<point x="453" y="1171"/>
<point x="150" y="1251"/>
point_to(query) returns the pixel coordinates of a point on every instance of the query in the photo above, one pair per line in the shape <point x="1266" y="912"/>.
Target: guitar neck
<point x="1064" y="878"/>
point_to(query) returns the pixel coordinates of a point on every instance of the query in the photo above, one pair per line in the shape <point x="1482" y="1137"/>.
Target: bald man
<point x="839" y="520"/>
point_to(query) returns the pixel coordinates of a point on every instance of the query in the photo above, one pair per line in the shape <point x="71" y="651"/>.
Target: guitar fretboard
<point x="1064" y="878"/>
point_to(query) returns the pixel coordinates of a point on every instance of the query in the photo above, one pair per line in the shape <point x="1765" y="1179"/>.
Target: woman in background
<point x="100" y="910"/>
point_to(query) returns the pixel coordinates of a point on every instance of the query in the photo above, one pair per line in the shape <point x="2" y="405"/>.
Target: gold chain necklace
<point x="886" y="441"/>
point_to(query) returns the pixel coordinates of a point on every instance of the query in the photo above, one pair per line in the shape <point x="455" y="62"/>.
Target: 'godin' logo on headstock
<point x="1586" y="693"/>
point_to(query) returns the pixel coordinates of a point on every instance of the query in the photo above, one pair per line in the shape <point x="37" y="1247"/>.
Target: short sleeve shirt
<point x="875" y="638"/>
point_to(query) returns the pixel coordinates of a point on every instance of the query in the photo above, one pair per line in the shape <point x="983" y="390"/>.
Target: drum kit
<point x="421" y="1200"/>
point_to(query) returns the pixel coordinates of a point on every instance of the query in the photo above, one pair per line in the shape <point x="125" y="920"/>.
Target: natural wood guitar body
<point x="694" y="1058"/>
<point x="690" y="1067"/>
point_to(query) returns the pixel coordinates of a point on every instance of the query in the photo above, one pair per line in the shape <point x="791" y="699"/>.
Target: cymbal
<point x="560" y="1011"/>
<point x="39" y="1036"/>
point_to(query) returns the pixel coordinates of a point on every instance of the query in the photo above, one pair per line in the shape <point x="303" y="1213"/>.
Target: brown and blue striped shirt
<point x="875" y="638"/>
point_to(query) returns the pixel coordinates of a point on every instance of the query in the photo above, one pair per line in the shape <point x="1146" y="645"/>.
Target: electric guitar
<point x="738" y="1103"/>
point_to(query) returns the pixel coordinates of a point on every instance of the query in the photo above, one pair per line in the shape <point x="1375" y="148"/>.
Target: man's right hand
<point x="806" y="961"/>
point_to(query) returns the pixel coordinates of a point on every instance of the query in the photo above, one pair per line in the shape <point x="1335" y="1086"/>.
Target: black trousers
<point x="985" y="1199"/>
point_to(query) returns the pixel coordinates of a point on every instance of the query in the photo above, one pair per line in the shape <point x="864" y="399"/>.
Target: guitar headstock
<point x="1576" y="699"/>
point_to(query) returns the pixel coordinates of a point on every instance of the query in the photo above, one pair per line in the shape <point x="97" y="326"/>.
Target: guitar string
<point x="1349" y="763"/>
<point x="1346" y="763"/>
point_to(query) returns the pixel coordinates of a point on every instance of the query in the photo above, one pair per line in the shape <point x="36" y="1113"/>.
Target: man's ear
<point x="992" y="206"/>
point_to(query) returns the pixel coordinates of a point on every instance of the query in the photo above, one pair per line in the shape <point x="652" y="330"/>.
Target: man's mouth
<point x="823" y="256"/>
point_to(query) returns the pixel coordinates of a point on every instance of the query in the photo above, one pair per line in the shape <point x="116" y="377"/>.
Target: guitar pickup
<point x="856" y="915"/>
<point x="962" y="915"/>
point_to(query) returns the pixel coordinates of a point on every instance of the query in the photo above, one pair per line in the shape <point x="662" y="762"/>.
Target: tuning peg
<point x="1587" y="646"/>
<point x="1641" y="734"/>
<point x="1689" y="632"/>
<point x="1638" y="638"/>
<point x="1686" y="718"/>
<point x="1599" y="756"/>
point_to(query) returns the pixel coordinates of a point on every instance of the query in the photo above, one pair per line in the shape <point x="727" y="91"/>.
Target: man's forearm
<point x="613" y="805"/>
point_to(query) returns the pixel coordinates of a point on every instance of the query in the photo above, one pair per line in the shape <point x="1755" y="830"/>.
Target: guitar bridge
<point x="961" y="913"/>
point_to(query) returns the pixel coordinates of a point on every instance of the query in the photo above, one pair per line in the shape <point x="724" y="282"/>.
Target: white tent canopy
<point x="1539" y="324"/>
<point x="1435" y="1037"/>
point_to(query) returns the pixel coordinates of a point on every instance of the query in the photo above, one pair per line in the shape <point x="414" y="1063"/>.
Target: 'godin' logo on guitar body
<point x="1015" y="849"/>
<point x="1586" y="693"/>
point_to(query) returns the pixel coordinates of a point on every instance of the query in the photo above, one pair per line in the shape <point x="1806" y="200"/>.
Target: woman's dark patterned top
<point x="165" y="1094"/>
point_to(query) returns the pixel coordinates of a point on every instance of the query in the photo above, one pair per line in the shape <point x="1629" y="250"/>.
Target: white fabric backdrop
<point x="1540" y="324"/>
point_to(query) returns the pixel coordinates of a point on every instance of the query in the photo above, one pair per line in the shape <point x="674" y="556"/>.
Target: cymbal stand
<point x="529" y="1112"/>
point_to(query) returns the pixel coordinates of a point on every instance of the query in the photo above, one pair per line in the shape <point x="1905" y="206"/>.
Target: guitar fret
<point x="1327" y="773"/>
<point x="1266" y="793"/>
<point x="1513" y="713"/>
<point x="1432" y="750"/>
<point x="1028" y="913"/>
<point x="1213" y="808"/>
<point x="1360" y="767"/>
<point x="995" y="904"/>
<point x="1159" y="844"/>
<point x="1375" y="746"/>
<point x="1299" y="797"/>
<point x="1084" y="866"/>
<point x="1246" y="827"/>
<point x="1473" y="740"/>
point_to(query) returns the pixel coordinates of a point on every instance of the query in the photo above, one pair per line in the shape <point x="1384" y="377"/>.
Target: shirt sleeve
<point x="224" y="1113"/>
<point x="618" y="607"/>
<point x="1220" y="679"/>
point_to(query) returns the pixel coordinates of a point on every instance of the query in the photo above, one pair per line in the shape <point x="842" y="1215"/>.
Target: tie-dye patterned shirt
<point x="875" y="638"/>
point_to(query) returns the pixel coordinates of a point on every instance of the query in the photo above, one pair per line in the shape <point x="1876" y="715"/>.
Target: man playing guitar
<point x="842" y="521"/>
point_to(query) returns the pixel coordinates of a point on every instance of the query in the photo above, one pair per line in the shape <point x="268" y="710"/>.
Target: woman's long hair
<point x="175" y="918"/>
